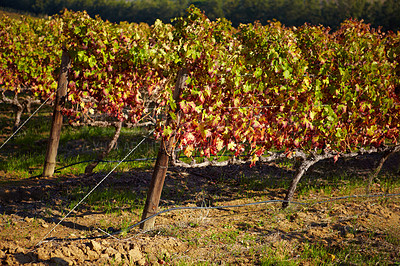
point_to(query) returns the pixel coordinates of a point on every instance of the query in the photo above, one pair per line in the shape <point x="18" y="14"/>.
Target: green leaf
<point x="258" y="72"/>
<point x="371" y="130"/>
<point x="92" y="61"/>
<point x="81" y="55"/>
<point x="287" y="74"/>
<point x="172" y="115"/>
<point x="167" y="131"/>
<point x="246" y="88"/>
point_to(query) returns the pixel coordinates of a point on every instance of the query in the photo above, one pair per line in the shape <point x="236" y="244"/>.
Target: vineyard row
<point x="329" y="93"/>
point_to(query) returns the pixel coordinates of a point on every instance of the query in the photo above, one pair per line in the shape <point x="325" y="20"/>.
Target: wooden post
<point x="161" y="166"/>
<point x="52" y="146"/>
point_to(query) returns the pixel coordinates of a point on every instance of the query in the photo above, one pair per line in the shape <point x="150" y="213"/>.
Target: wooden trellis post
<point x="55" y="132"/>
<point x="161" y="166"/>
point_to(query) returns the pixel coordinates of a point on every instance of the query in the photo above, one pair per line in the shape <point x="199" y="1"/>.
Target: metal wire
<point x="251" y="204"/>
<point x="90" y="192"/>
<point x="104" y="161"/>
<point x="18" y="129"/>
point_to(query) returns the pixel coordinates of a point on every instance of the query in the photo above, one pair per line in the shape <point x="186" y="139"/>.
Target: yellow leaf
<point x="220" y="144"/>
<point x="231" y="146"/>
<point x="189" y="150"/>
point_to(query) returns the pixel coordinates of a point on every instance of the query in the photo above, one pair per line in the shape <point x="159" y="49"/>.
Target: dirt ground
<point x="367" y="227"/>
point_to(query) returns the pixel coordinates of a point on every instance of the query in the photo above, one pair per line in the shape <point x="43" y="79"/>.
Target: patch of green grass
<point x="96" y="140"/>
<point x="108" y="200"/>
<point x="338" y="185"/>
<point x="321" y="255"/>
<point x="389" y="183"/>
<point x="189" y="262"/>
<point x="27" y="158"/>
<point x="23" y="156"/>
<point x="6" y="221"/>
<point x="279" y="255"/>
<point x="393" y="235"/>
<point x="287" y="163"/>
<point x="317" y="254"/>
<point x="226" y="237"/>
<point x="247" y="183"/>
<point x="393" y="239"/>
<point x="227" y="226"/>
<point x="24" y="166"/>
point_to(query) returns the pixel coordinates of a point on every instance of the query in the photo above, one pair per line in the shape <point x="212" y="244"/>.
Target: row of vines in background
<point x="250" y="90"/>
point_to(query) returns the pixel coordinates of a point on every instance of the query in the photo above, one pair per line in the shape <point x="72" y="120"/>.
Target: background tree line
<point x="330" y="13"/>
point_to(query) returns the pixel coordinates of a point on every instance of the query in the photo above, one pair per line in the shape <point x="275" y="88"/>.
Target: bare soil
<point x="368" y="227"/>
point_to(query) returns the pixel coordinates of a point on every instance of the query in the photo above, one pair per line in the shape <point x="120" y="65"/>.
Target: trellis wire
<point x="248" y="204"/>
<point x="18" y="129"/>
<point x="105" y="161"/>
<point x="131" y="160"/>
<point x="90" y="192"/>
<point x="112" y="235"/>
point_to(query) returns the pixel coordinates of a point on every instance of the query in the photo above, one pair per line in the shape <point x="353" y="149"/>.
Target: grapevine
<point x="251" y="91"/>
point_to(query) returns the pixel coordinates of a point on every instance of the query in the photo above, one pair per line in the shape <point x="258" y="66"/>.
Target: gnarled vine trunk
<point x="89" y="168"/>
